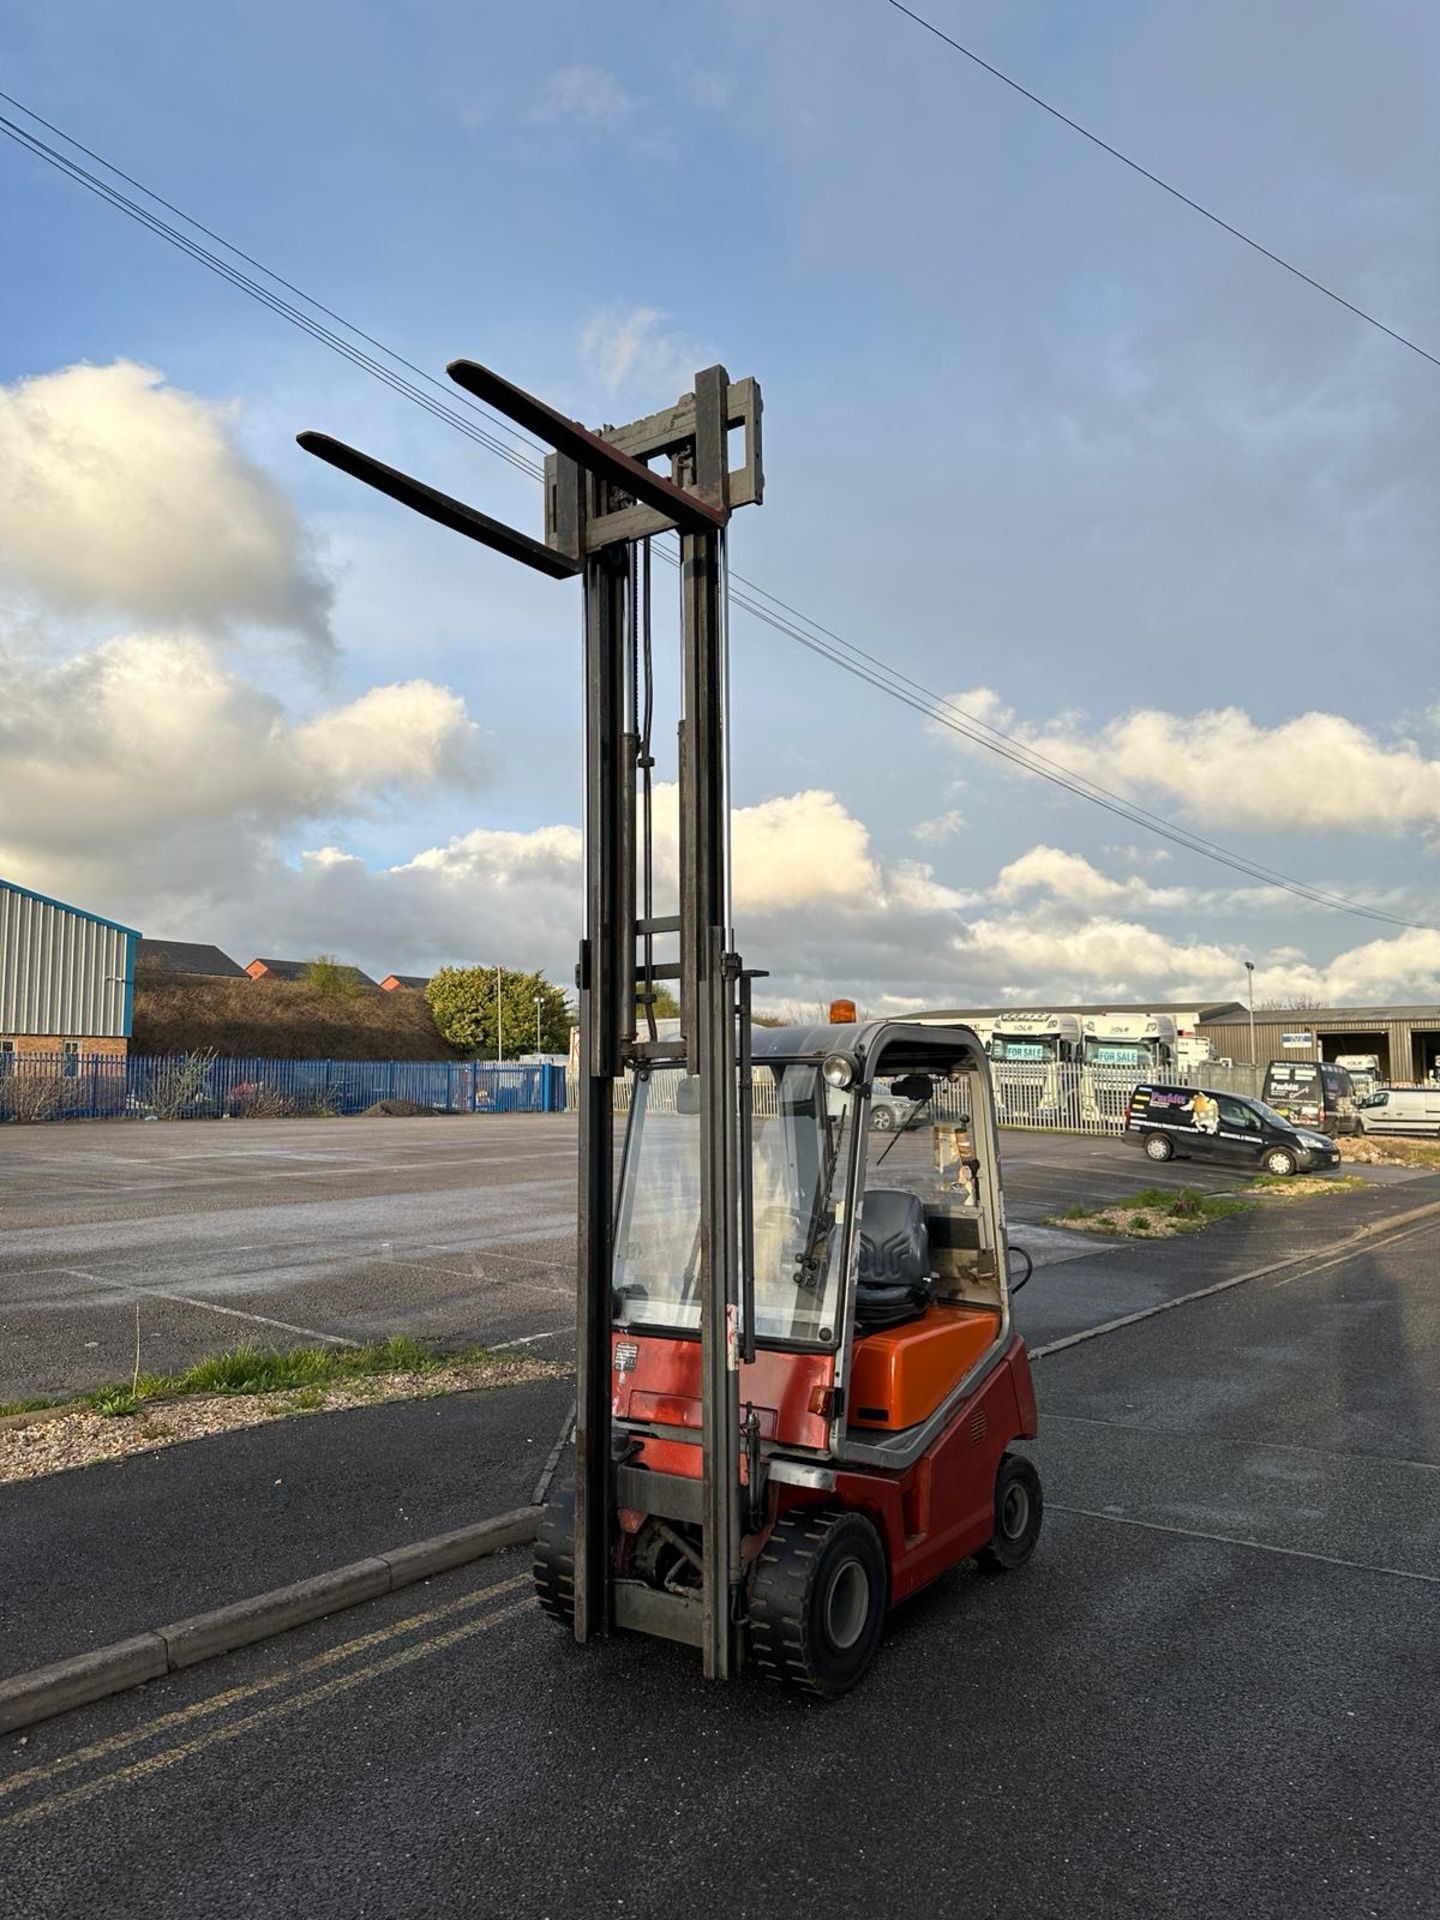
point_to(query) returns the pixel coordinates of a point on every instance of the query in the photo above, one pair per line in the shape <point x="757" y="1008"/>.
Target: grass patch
<point x="1303" y="1186"/>
<point x="304" y="1370"/>
<point x="1153" y="1214"/>
<point x="40" y="1405"/>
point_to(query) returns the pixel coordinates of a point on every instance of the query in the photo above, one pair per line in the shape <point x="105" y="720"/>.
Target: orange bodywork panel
<point x="900" y="1375"/>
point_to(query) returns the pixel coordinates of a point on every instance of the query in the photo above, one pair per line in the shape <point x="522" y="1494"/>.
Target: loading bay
<point x="1215" y="1689"/>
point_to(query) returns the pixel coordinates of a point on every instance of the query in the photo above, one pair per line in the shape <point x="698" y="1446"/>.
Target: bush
<point x="27" y="1095"/>
<point x="259" y="1101"/>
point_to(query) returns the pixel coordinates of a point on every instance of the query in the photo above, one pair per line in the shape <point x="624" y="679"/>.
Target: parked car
<point x="1412" y="1110"/>
<point x="1312" y="1093"/>
<point x="1226" y="1128"/>
<point x="888" y="1112"/>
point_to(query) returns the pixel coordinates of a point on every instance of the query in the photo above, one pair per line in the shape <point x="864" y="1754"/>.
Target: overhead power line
<point x="1195" y="206"/>
<point x="775" y="613"/>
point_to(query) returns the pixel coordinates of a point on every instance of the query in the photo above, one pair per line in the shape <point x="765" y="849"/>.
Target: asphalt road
<point x="453" y="1229"/>
<point x="1215" y="1690"/>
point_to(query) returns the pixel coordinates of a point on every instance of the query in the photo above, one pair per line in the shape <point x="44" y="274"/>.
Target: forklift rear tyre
<point x="1280" y="1161"/>
<point x="1159" y="1148"/>
<point x="1019" y="1510"/>
<point x="817" y="1600"/>
<point x="554" y="1563"/>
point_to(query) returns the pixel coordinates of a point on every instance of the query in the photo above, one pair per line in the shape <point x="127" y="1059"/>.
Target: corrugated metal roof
<point x="63" y="971"/>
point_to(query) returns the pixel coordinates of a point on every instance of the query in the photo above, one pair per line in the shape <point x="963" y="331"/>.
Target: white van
<point x="1413" y="1110"/>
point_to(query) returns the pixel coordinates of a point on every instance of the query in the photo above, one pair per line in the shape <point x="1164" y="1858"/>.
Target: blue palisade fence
<point x="199" y="1087"/>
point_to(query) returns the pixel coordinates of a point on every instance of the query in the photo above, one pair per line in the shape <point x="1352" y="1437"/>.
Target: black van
<point x="1227" y="1128"/>
<point x="1312" y="1093"/>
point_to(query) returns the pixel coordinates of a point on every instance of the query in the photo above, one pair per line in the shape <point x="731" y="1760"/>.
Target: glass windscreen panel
<point x="1032" y="1052"/>
<point x="1119" y="1053"/>
<point x="802" y="1131"/>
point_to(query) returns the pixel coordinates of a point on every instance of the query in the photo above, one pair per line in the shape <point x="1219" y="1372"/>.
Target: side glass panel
<point x="802" y="1145"/>
<point x="927" y="1150"/>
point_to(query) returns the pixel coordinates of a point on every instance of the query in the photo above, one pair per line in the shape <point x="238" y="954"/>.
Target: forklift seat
<point x="893" y="1270"/>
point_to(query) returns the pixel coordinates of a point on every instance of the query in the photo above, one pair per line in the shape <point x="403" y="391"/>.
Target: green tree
<point x="462" y="1000"/>
<point x="326" y="975"/>
<point x="666" y="1006"/>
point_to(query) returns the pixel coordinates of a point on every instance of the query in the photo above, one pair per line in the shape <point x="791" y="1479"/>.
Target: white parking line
<point x="135" y="1291"/>
<point x="1256" y="1546"/>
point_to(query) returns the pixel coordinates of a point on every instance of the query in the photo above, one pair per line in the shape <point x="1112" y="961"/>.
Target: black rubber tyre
<point x="554" y="1563"/>
<point x="1019" y="1511"/>
<point x="1279" y="1161"/>
<point x="817" y="1600"/>
<point x="882" y="1120"/>
<point x="1159" y="1146"/>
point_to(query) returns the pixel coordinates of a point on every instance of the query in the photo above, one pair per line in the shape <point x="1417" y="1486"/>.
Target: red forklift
<point x="798" y="1385"/>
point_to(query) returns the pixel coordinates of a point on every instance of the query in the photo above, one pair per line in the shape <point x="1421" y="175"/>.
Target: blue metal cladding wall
<point x="63" y="972"/>
<point x="101" y="1087"/>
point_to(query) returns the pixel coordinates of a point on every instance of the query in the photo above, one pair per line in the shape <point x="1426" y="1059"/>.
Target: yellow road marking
<point x="216" y="1703"/>
<point x="232" y="1729"/>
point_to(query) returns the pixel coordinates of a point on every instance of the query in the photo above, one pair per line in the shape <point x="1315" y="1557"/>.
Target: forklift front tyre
<point x="817" y="1600"/>
<point x="554" y="1563"/>
<point x="1019" y="1510"/>
<point x="1159" y="1147"/>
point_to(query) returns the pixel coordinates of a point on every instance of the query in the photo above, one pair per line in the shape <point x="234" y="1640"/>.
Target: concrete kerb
<point x="26" y="1698"/>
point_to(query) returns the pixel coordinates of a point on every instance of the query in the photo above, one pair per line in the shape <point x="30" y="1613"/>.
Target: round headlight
<point x="837" y="1070"/>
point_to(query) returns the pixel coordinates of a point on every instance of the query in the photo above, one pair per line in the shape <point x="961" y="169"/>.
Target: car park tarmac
<point x="456" y="1229"/>
<point x="1213" y="1689"/>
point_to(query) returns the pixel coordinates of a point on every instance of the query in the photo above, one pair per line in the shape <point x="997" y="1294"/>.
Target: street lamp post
<point x="538" y="1047"/>
<point x="1250" y="984"/>
<point x="499" y="1020"/>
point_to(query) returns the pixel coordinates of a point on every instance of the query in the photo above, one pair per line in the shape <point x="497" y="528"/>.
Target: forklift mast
<point x="604" y="504"/>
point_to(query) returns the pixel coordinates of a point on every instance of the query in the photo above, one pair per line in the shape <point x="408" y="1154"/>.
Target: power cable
<point x="1164" y="185"/>
<point x="246" y="284"/>
<point x="819" y="639"/>
<point x="449" y="392"/>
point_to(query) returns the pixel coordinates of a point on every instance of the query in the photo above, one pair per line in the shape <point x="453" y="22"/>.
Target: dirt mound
<point x="280" y="1020"/>
<point x="396" y="1110"/>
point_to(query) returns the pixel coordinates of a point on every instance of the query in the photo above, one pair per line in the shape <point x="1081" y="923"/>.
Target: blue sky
<point x="1032" y="429"/>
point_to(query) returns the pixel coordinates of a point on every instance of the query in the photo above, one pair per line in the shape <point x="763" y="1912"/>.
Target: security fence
<point x="1063" y="1097"/>
<point x="201" y="1086"/>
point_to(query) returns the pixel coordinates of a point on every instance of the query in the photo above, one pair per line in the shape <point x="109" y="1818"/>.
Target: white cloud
<point x="628" y="346"/>
<point x="119" y="493"/>
<point x="1316" y="772"/>
<point x="582" y="96"/>
<point x="943" y="827"/>
<point x="149" y="756"/>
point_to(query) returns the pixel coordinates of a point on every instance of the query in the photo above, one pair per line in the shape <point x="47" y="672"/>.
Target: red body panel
<point x="935" y="1514"/>
<point x="942" y="1509"/>
<point x="664" y="1386"/>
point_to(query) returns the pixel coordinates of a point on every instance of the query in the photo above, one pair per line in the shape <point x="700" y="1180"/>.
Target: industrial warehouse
<point x="67" y="978"/>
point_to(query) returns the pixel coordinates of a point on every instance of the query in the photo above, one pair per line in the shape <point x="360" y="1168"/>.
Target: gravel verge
<point x="46" y="1443"/>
